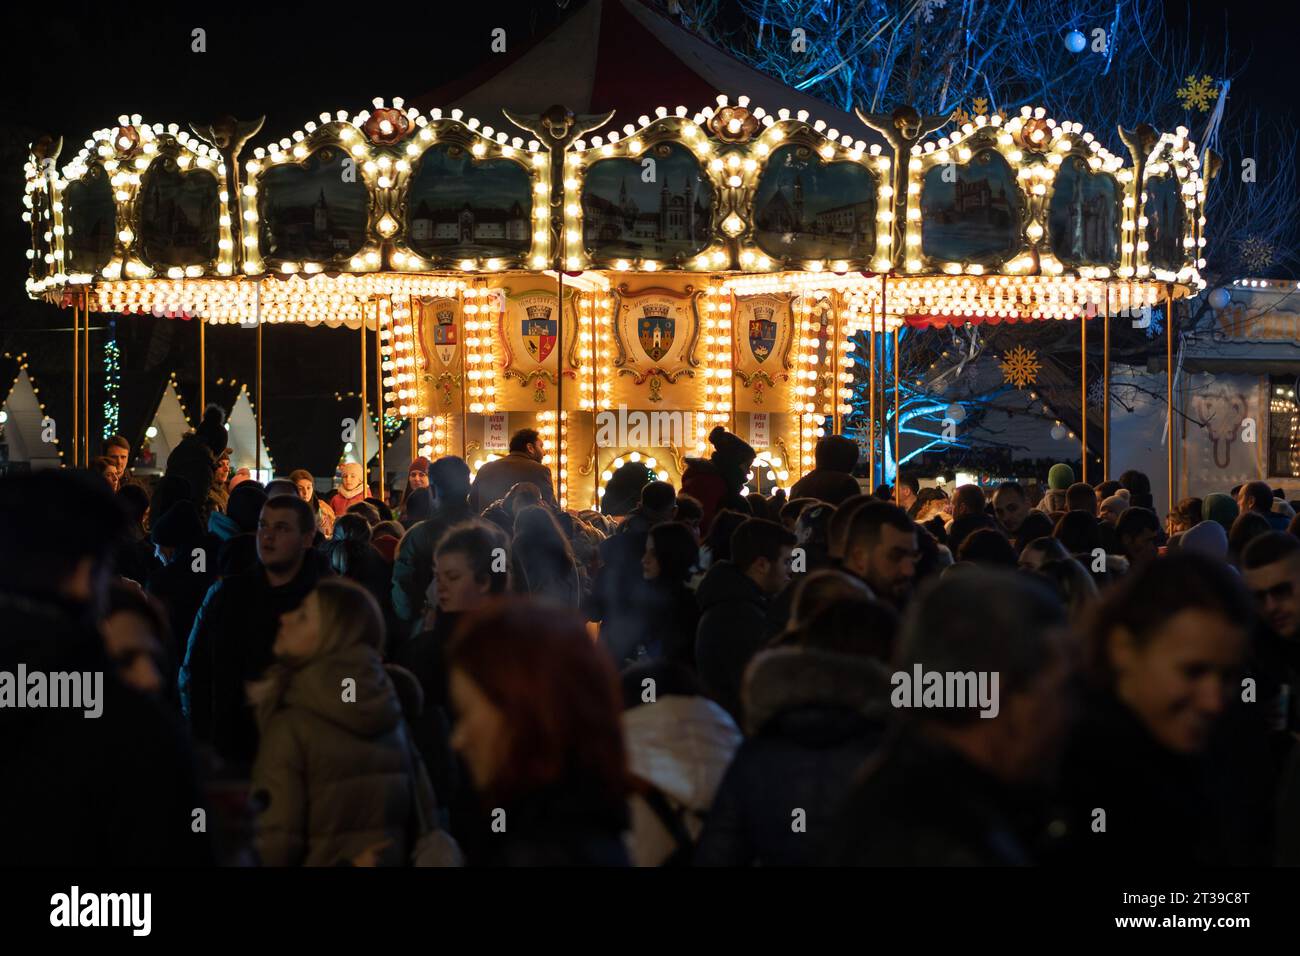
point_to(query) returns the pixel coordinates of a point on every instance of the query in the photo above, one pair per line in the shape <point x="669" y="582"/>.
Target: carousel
<point x="621" y="287"/>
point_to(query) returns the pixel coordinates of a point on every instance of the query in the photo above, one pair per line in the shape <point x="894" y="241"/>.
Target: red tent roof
<point x="621" y="55"/>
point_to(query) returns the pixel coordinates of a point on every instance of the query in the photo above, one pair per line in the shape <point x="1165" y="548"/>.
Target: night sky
<point x="73" y="67"/>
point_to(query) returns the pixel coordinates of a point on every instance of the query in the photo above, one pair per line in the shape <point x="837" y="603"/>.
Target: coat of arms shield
<point x="655" y="330"/>
<point x="539" y="332"/>
<point x="762" y="332"/>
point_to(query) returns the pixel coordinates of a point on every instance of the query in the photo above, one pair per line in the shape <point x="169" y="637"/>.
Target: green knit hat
<point x="1221" y="508"/>
<point x="1060" y="477"/>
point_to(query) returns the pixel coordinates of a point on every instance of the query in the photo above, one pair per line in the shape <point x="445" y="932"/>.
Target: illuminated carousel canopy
<point x="1003" y="219"/>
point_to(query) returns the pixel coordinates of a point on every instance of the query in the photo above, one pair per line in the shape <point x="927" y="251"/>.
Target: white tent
<point x="22" y="422"/>
<point x="165" y="431"/>
<point x="241" y="424"/>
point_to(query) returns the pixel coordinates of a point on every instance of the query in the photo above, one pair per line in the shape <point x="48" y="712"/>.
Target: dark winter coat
<point x="337" y="776"/>
<point x="963" y="527"/>
<point x="192" y="460"/>
<point x="496" y="478"/>
<point x="921" y="803"/>
<point x="706" y="482"/>
<point x="566" y="824"/>
<point x="539" y="569"/>
<point x="812" y="719"/>
<point x="1163" y="806"/>
<point x="733" y="628"/>
<point x="181" y="589"/>
<point x="1036" y="525"/>
<point x="230" y="644"/>
<point x="117" y="790"/>
<point x="413" y="568"/>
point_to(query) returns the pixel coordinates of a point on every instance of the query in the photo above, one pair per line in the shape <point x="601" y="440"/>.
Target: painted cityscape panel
<point x="1084" y="215"/>
<point x="807" y="209"/>
<point x="89" y="221"/>
<point x="458" y="206"/>
<point x="970" y="212"/>
<point x="179" y="215"/>
<point x="660" y="209"/>
<point x="314" y="211"/>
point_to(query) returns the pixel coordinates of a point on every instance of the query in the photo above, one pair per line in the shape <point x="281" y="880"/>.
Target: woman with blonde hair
<point x="335" y="772"/>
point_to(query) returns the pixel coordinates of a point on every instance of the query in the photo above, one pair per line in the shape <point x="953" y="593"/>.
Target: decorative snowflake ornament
<point x="928" y="7"/>
<point x="1198" y="94"/>
<point x="1257" y="254"/>
<point x="1020" y="367"/>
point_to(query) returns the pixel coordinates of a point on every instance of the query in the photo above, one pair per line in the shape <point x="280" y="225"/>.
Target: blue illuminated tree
<point x="1109" y="63"/>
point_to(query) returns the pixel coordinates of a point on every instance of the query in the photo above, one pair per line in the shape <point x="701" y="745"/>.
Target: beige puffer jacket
<point x="336" y="772"/>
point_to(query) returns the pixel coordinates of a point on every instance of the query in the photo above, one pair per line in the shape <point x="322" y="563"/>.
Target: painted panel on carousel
<point x="438" y="330"/>
<point x="766" y="331"/>
<point x="805" y="208"/>
<point x="179" y="215"/>
<point x="315" y="210"/>
<point x="1084" y="215"/>
<point x="660" y="210"/>
<point x="656" y="331"/>
<point x="1165" y="229"/>
<point x="89" y="221"/>
<point x="531" y="337"/>
<point x="458" y="206"/>
<point x="970" y="212"/>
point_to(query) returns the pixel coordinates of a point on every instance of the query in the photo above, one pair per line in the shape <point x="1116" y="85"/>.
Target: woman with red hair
<point x="538" y="724"/>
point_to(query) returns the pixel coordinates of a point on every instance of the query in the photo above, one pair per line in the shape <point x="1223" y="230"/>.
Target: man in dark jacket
<point x="733" y="607"/>
<point x="106" y="782"/>
<point x="413" y="567"/>
<point x="188" y="569"/>
<point x="832" y="480"/>
<point x="523" y="464"/>
<point x="619" y="582"/>
<point x="232" y="637"/>
<point x="1258" y="496"/>
<point x="882" y="549"/>
<point x="968" y="515"/>
<point x="1020" y="523"/>
<point x="813" y="718"/>
<point x="951" y="789"/>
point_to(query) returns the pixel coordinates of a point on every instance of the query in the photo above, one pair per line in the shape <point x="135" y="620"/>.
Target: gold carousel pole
<point x="365" y="411"/>
<point x="257" y="313"/>
<point x="1169" y="386"/>
<point x="898" y="470"/>
<point x="871" y="406"/>
<point x="203" y="366"/>
<point x="85" y="376"/>
<point x="1105" y="389"/>
<point x="1083" y="393"/>
<point x="76" y="382"/>
<point x="379" y="395"/>
<point x="464" y="384"/>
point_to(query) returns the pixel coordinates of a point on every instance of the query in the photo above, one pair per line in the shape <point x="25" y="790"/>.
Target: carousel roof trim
<point x="732" y="144"/>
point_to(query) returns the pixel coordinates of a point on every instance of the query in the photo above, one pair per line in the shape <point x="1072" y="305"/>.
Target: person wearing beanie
<point x="351" y="490"/>
<point x="1139" y="488"/>
<point x="832" y="479"/>
<point x="1112" y="508"/>
<point x="1221" y="508"/>
<point x="1207" y="538"/>
<point x="1059" y="479"/>
<point x="212" y="430"/>
<point x="413" y="565"/>
<point x="417" y="477"/>
<point x="236" y="530"/>
<point x="189" y="566"/>
<point x="716" y="482"/>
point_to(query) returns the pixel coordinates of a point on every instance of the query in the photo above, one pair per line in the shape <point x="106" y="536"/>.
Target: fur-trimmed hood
<point x="783" y="681"/>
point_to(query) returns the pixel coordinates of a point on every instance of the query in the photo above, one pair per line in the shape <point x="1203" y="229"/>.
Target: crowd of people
<point x="474" y="675"/>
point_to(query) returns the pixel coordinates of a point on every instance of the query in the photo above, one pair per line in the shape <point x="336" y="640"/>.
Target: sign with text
<point x="496" y="433"/>
<point x="759" y="436"/>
